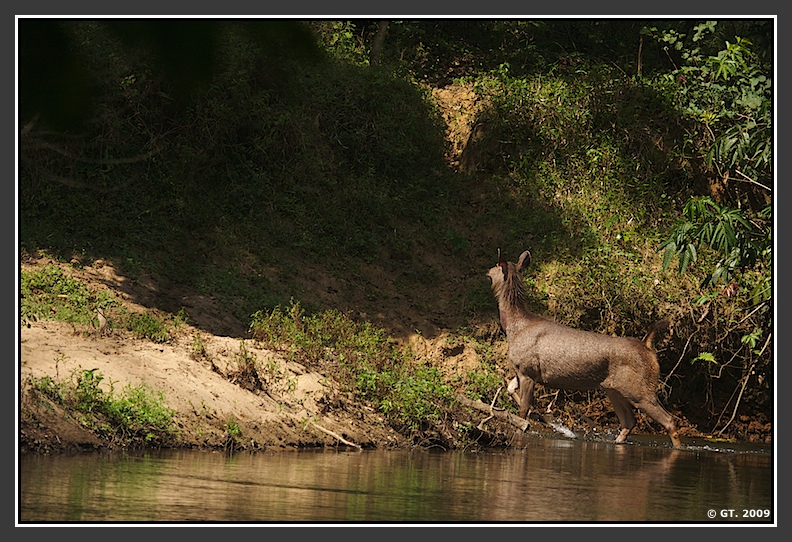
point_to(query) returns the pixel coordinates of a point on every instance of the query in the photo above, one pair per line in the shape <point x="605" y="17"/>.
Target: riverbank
<point x="306" y="411"/>
<point x="198" y="375"/>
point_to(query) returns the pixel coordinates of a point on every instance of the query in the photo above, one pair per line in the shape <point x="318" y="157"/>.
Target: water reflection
<point x="547" y="480"/>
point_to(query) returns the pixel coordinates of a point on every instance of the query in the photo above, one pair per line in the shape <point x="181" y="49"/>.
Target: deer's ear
<point x="503" y="265"/>
<point x="525" y="259"/>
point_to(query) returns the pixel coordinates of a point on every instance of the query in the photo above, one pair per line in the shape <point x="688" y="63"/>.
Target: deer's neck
<point x="513" y="316"/>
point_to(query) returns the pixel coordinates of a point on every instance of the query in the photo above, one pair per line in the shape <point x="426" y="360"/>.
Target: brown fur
<point x="561" y="357"/>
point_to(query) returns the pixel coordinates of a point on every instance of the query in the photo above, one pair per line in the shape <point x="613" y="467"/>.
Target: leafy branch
<point x="738" y="241"/>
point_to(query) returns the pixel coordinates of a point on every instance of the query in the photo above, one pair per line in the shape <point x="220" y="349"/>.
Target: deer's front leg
<point x="526" y="386"/>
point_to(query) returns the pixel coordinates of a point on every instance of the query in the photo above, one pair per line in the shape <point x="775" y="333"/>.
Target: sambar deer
<point x="561" y="357"/>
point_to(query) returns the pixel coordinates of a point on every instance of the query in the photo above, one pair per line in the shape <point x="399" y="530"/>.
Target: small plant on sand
<point x="233" y="432"/>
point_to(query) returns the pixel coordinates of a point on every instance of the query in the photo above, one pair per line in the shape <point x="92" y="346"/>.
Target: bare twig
<point x="480" y="426"/>
<point x="336" y="436"/>
<point x="495" y="397"/>
<point x="552" y="402"/>
<point x="746" y="179"/>
<point x="744" y="384"/>
<point x="682" y="355"/>
<point x="738" y="324"/>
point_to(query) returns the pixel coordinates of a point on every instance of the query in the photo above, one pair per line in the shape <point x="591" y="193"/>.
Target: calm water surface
<point x="553" y="480"/>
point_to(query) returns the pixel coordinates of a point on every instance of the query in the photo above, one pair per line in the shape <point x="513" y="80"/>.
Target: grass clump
<point x="155" y="327"/>
<point x="234" y="436"/>
<point x="135" y="417"/>
<point x="49" y="293"/>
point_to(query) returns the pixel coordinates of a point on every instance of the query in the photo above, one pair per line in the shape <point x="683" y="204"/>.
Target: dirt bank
<point x="204" y="398"/>
<point x="296" y="407"/>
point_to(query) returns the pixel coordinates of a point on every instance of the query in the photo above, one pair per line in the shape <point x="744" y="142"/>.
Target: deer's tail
<point x="658" y="327"/>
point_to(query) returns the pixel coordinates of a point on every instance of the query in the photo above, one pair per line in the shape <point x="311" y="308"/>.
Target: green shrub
<point x="155" y="327"/>
<point x="412" y="395"/>
<point x="137" y="416"/>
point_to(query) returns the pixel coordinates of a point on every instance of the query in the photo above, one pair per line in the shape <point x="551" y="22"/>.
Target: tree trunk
<point x="376" y="44"/>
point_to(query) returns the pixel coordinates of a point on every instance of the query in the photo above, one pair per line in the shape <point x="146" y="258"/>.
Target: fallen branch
<point x="516" y="421"/>
<point x="480" y="426"/>
<point x="337" y="436"/>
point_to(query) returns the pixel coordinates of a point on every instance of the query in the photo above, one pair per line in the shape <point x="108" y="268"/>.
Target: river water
<point x="546" y="480"/>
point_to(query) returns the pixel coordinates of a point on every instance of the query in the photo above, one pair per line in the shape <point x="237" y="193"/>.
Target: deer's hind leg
<point x="661" y="415"/>
<point x="624" y="411"/>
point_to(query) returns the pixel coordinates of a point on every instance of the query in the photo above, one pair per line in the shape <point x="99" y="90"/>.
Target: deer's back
<point x="568" y="358"/>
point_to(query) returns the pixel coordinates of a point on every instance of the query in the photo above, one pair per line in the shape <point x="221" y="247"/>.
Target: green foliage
<point x="412" y="395"/>
<point x="729" y="95"/>
<point x="724" y="94"/>
<point x="233" y="430"/>
<point x="483" y="383"/>
<point x="141" y="411"/>
<point x="310" y="337"/>
<point x="48" y="387"/>
<point x="148" y="326"/>
<point x="738" y="241"/>
<point x="244" y="360"/>
<point x="579" y="149"/>
<point x="136" y="417"/>
<point x="728" y="98"/>
<point x="341" y="39"/>
<point x="199" y="348"/>
<point x="49" y="293"/>
<point x="752" y="339"/>
<point x="415" y="396"/>
<point x="704" y="356"/>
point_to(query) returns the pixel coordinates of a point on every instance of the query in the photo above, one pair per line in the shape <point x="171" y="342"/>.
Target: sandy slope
<point x="292" y="410"/>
